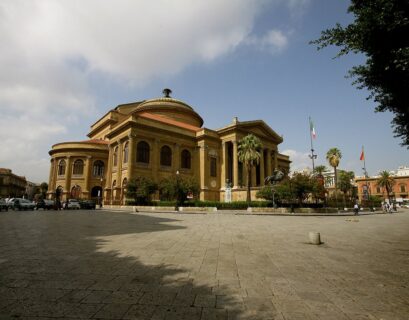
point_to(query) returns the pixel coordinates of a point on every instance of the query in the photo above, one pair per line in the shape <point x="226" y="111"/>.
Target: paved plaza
<point x="113" y="265"/>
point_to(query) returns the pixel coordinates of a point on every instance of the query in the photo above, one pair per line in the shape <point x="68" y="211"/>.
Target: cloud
<point x="299" y="160"/>
<point x="53" y="50"/>
<point x="273" y="41"/>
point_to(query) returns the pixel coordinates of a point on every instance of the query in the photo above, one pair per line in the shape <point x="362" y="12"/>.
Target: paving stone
<point x="214" y="266"/>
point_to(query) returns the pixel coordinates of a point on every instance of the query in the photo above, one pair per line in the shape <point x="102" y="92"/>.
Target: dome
<point x="170" y="108"/>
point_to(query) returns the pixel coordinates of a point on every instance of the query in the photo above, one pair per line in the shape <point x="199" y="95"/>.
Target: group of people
<point x="388" y="208"/>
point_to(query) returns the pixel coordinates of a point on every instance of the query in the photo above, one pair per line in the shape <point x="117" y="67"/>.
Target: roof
<point x="97" y="141"/>
<point x="175" y="123"/>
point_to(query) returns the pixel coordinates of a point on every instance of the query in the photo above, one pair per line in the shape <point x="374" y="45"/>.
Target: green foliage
<point x="319" y="170"/>
<point x="344" y="182"/>
<point x="333" y="156"/>
<point x="380" y="31"/>
<point x="266" y="193"/>
<point x="177" y="188"/>
<point x="235" y="205"/>
<point x="249" y="154"/>
<point x="386" y="181"/>
<point x="141" y="190"/>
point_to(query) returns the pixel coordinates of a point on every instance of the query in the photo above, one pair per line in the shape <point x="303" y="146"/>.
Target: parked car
<point x="21" y="204"/>
<point x="3" y="205"/>
<point x="88" y="204"/>
<point x="44" y="204"/>
<point x="72" y="204"/>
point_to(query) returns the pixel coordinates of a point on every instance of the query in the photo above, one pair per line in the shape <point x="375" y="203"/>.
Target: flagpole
<point x="368" y="185"/>
<point x="312" y="155"/>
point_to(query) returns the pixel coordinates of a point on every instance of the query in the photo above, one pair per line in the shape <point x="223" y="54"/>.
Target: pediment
<point x="259" y="128"/>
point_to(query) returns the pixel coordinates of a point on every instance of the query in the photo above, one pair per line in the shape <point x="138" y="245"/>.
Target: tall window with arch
<point x="98" y="168"/>
<point x="142" y="152"/>
<point x="78" y="167"/>
<point x="61" y="168"/>
<point x="166" y="156"/>
<point x="402" y="188"/>
<point x="126" y="152"/>
<point x="186" y="160"/>
<point x="115" y="157"/>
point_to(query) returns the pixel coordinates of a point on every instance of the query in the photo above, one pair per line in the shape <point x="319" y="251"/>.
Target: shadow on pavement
<point x="51" y="265"/>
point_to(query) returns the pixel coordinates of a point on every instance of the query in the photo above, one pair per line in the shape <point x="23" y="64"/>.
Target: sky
<point x="66" y="63"/>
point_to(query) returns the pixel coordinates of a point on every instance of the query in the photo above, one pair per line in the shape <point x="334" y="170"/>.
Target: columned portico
<point x="235" y="165"/>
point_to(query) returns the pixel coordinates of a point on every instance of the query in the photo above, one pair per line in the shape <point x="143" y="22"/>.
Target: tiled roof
<point x="176" y="123"/>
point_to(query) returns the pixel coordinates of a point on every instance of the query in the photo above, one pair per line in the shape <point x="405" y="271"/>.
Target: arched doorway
<point x="76" y="192"/>
<point x="96" y="192"/>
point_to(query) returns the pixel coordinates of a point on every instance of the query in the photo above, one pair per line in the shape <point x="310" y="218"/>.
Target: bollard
<point x="315" y="238"/>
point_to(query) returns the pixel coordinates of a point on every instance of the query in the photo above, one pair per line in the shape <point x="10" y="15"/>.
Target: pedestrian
<point x="356" y="209"/>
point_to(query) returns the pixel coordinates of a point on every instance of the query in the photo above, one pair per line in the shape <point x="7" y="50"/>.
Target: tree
<point x="141" y="189"/>
<point x="380" y="31"/>
<point x="249" y="154"/>
<point x="43" y="189"/>
<point x="333" y="156"/>
<point x="302" y="186"/>
<point x="178" y="188"/>
<point x="319" y="170"/>
<point x="344" y="183"/>
<point x="387" y="182"/>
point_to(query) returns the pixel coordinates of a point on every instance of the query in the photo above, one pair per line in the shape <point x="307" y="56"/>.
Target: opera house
<point x="157" y="138"/>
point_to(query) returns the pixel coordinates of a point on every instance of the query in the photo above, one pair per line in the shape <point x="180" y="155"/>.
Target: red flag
<point x="362" y="157"/>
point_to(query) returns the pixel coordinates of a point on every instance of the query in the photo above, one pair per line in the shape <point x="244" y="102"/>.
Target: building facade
<point x="400" y="190"/>
<point x="11" y="185"/>
<point x="157" y="138"/>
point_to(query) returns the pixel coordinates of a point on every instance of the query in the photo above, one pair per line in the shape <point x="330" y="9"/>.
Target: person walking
<point x="356" y="209"/>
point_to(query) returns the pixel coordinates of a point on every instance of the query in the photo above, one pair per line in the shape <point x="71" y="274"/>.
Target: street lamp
<point x="177" y="190"/>
<point x="100" y="198"/>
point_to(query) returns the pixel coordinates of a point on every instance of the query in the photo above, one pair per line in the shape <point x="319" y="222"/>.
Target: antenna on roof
<point x="167" y="92"/>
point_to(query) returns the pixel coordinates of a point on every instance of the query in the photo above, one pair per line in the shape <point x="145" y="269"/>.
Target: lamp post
<point x="101" y="195"/>
<point x="177" y="190"/>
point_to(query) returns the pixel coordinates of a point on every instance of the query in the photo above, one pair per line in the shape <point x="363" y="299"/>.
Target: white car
<point x="73" y="204"/>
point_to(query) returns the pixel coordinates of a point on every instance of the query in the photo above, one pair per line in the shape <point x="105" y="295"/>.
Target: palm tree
<point x="344" y="182"/>
<point x="386" y="181"/>
<point x="333" y="157"/>
<point x="319" y="170"/>
<point x="249" y="155"/>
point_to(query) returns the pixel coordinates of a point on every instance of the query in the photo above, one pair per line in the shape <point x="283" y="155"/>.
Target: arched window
<point x="78" y="167"/>
<point x="98" y="169"/>
<point x="185" y="162"/>
<point x="126" y="152"/>
<point x="61" y="168"/>
<point x="114" y="184"/>
<point x="124" y="183"/>
<point x="166" y="156"/>
<point x="142" y="151"/>
<point x="115" y="156"/>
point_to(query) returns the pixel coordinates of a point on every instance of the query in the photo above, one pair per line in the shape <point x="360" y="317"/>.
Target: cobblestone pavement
<point x="194" y="266"/>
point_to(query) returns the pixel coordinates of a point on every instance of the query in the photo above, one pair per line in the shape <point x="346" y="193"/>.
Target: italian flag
<point x="312" y="129"/>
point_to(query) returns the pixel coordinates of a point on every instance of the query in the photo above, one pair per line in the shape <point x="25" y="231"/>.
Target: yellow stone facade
<point x="158" y="138"/>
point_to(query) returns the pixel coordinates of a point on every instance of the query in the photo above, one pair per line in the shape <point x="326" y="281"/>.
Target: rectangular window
<point x="213" y="167"/>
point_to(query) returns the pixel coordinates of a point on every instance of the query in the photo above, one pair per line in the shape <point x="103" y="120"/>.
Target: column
<point x="269" y="172"/>
<point x="176" y="157"/>
<point x="119" y="172"/>
<point x="275" y="160"/>
<point x="235" y="166"/>
<point x="87" y="177"/>
<point x="262" y="168"/>
<point x="154" y="158"/>
<point x="244" y="168"/>
<point x="68" y="171"/>
<point x="224" y="165"/>
<point x="131" y="157"/>
<point x="204" y="168"/>
<point x="51" y="177"/>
